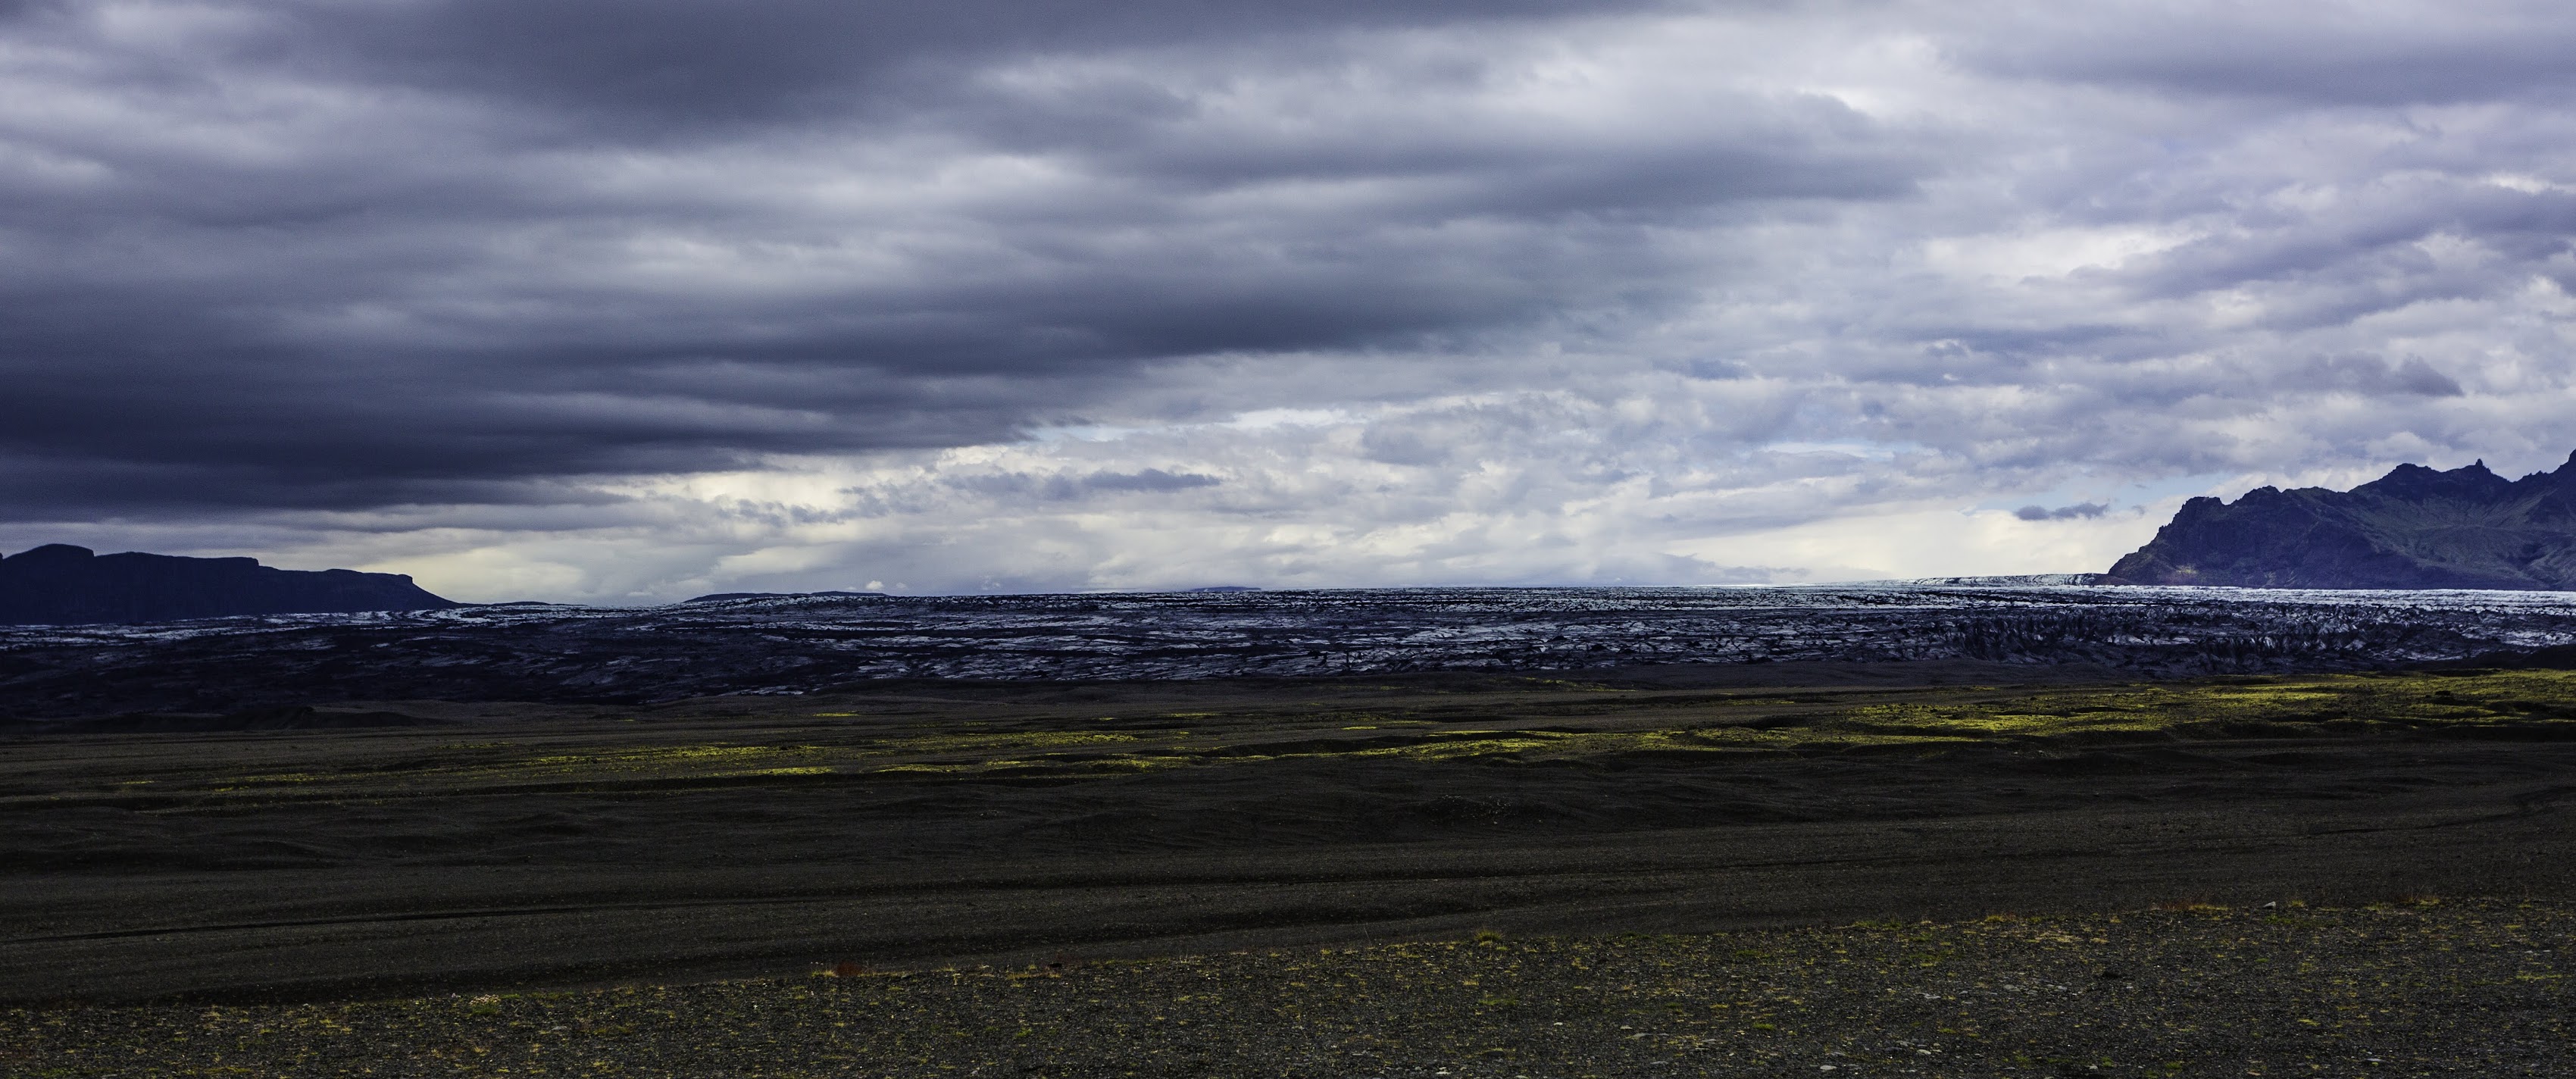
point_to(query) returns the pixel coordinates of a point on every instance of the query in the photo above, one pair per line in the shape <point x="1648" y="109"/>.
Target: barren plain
<point x="559" y="858"/>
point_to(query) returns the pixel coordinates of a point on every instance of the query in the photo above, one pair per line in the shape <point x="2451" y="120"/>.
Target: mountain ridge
<point x="59" y="584"/>
<point x="2415" y="527"/>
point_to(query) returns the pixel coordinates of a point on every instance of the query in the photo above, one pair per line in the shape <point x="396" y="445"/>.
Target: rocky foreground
<point x="2415" y="986"/>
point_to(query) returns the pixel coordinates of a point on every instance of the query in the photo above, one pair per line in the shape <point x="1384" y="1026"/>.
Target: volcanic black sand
<point x="253" y="878"/>
<point x="2416" y="987"/>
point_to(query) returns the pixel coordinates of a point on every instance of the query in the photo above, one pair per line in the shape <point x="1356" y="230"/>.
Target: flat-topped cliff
<point x="59" y="584"/>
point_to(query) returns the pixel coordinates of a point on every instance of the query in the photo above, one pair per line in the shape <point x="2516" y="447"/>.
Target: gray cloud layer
<point x="417" y="279"/>
<point x="330" y="256"/>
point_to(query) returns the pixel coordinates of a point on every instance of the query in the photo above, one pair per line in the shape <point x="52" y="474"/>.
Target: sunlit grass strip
<point x="2360" y="704"/>
<point x="2338" y="702"/>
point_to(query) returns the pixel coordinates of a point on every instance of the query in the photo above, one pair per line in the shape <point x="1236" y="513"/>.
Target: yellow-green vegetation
<point x="1502" y="722"/>
<point x="2477" y="987"/>
<point x="495" y="763"/>
<point x="2536" y="702"/>
<point x="2340" y="703"/>
<point x="658" y="757"/>
<point x="1020" y="740"/>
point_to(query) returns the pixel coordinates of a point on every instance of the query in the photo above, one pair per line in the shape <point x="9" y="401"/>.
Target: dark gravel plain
<point x="2417" y="986"/>
<point x="1825" y="871"/>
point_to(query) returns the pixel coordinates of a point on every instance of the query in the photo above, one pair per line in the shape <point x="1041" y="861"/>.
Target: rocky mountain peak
<point x="2415" y="527"/>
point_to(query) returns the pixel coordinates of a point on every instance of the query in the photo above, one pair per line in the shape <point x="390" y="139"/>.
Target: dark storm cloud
<point x="2076" y="512"/>
<point x="350" y="255"/>
<point x="666" y="64"/>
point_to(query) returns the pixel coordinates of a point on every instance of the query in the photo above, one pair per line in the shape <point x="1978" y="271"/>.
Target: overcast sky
<point x="630" y="300"/>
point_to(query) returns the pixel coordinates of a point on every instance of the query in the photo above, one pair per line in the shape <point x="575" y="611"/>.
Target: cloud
<point x="623" y="301"/>
<point x="348" y="272"/>
<point x="661" y="64"/>
<point x="2335" y="53"/>
<point x="1067" y="488"/>
<point x="2078" y="511"/>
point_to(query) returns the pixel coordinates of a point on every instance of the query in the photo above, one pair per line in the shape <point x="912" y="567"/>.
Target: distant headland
<point x="2413" y="528"/>
<point x="59" y="584"/>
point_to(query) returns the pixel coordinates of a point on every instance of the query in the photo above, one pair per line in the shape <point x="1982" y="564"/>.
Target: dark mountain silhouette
<point x="58" y="584"/>
<point x="2412" y="528"/>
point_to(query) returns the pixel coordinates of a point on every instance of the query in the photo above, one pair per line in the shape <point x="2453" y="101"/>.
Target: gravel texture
<point x="522" y="848"/>
<point x="2415" y="986"/>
